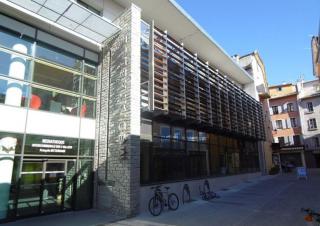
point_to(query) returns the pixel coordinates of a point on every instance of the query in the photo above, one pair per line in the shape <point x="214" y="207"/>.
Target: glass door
<point x="54" y="182"/>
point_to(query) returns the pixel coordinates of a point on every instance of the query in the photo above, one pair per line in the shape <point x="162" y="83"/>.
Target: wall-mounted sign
<point x="46" y="145"/>
<point x="52" y="146"/>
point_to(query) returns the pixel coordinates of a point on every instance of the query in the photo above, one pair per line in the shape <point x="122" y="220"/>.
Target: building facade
<point x="100" y="99"/>
<point x="284" y="110"/>
<point x="309" y="101"/>
<point x="254" y="65"/>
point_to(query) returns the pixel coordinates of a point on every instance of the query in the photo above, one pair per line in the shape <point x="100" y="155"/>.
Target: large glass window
<point x="88" y="108"/>
<point x="86" y="147"/>
<point x="10" y="64"/>
<point x="11" y="40"/>
<point x="54" y="101"/>
<point x="90" y="69"/>
<point x="89" y="86"/>
<point x="13" y="92"/>
<point x="58" y="56"/>
<point x="55" y="77"/>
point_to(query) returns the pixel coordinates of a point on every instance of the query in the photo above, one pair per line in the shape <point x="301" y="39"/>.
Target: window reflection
<point x="6" y="60"/>
<point x="10" y="39"/>
<point x="90" y="69"/>
<point x="58" y="56"/>
<point x="56" y="77"/>
<point x="88" y="108"/>
<point x="53" y="101"/>
<point x="89" y="86"/>
<point x="13" y="92"/>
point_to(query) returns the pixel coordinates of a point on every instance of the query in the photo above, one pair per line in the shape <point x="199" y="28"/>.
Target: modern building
<point x="254" y="65"/>
<point x="309" y="108"/>
<point x="286" y="123"/>
<point x="100" y="99"/>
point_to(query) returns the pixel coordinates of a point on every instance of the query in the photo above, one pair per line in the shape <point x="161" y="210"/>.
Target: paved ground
<point x="274" y="201"/>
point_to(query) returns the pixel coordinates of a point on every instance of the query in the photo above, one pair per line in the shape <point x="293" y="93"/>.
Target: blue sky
<point x="280" y="30"/>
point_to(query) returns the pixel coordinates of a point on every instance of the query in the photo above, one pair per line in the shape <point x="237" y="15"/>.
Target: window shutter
<point x="274" y="125"/>
<point x="290" y="140"/>
<point x="275" y="140"/>
<point x="285" y="105"/>
<point x="289" y="123"/>
<point x="284" y="123"/>
<point x="271" y="111"/>
<point x="280" y="109"/>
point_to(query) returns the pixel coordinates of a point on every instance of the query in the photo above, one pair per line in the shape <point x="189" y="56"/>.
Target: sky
<point x="281" y="31"/>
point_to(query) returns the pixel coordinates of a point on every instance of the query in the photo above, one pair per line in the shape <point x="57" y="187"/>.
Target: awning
<point x="73" y="16"/>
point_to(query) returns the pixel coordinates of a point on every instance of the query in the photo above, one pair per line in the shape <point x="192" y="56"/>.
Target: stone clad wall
<point x="118" y="119"/>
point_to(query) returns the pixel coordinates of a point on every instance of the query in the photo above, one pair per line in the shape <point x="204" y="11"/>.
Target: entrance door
<point x="46" y="186"/>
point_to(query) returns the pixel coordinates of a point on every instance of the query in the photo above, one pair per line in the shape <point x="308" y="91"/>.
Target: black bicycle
<point x="186" y="196"/>
<point x="206" y="193"/>
<point x="161" y="200"/>
<point x="311" y="216"/>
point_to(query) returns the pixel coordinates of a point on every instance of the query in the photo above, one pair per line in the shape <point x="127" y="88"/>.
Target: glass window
<point x="55" y="77"/>
<point x="293" y="122"/>
<point x="316" y="141"/>
<point x="10" y="143"/>
<point x="10" y="62"/>
<point x="53" y="101"/>
<point x="279" y="124"/>
<point x="58" y="56"/>
<point x="89" y="86"/>
<point x="47" y="145"/>
<point x="13" y="92"/>
<point x="275" y="110"/>
<point x="310" y="107"/>
<point x="203" y="137"/>
<point x="296" y="140"/>
<point x="86" y="147"/>
<point x="312" y="124"/>
<point x="281" y="141"/>
<point x="192" y="135"/>
<point x="90" y="69"/>
<point x="290" y="107"/>
<point x="10" y="40"/>
<point x="88" y="108"/>
<point x="178" y="133"/>
<point x="165" y="131"/>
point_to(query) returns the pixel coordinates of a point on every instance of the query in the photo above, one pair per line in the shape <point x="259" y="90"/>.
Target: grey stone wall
<point x="117" y="159"/>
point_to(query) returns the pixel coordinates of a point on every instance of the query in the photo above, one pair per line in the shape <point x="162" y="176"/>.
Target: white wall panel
<point x="12" y="119"/>
<point x="87" y="130"/>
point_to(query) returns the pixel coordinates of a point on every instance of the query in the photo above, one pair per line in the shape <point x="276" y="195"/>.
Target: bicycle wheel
<point x="186" y="195"/>
<point x="155" y="206"/>
<point x="173" y="201"/>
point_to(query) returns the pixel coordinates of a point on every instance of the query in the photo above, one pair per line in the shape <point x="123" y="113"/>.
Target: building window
<point x="296" y="140"/>
<point x="293" y="122"/>
<point x="279" y="124"/>
<point x="310" y="107"/>
<point x="275" y="110"/>
<point x="316" y="142"/>
<point x="290" y="107"/>
<point x="312" y="124"/>
<point x="165" y="132"/>
<point x="279" y="88"/>
<point x="281" y="141"/>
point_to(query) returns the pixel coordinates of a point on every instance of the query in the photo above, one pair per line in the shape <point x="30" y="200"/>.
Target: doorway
<point x="46" y="186"/>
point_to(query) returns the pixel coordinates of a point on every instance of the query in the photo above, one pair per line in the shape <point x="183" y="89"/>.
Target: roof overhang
<point x="64" y="17"/>
<point x="168" y="15"/>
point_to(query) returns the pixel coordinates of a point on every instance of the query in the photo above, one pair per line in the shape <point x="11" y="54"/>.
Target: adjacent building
<point x="101" y="99"/>
<point x="309" y="108"/>
<point x="284" y="110"/>
<point x="254" y="65"/>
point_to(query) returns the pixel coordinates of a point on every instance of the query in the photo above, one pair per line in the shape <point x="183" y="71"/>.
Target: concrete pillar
<point x="16" y="70"/>
<point x="262" y="159"/>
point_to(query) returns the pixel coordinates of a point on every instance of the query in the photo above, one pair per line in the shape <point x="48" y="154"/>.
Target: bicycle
<point x="159" y="201"/>
<point x="206" y="193"/>
<point x="312" y="217"/>
<point x="186" y="196"/>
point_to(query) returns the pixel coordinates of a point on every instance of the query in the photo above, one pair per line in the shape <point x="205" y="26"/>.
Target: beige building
<point x="254" y="65"/>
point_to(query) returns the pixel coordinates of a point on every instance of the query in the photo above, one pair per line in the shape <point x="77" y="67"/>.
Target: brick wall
<point x="118" y="119"/>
